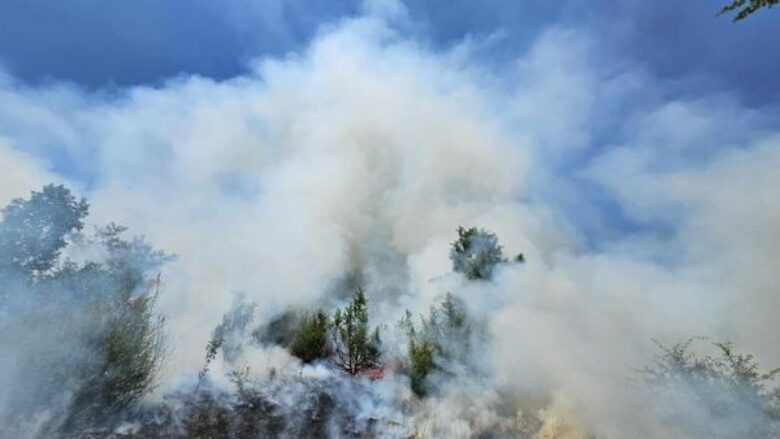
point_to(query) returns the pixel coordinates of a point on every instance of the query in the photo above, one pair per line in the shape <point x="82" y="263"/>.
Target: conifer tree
<point x="443" y="337"/>
<point x="354" y="347"/>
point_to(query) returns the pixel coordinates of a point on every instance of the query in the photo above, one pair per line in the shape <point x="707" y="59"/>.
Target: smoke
<point x="20" y="173"/>
<point x="640" y="215"/>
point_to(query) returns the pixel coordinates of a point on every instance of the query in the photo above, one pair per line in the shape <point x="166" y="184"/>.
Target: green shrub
<point x="420" y="365"/>
<point x="311" y="340"/>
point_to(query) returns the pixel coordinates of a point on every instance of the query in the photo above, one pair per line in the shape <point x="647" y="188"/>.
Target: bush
<point x="420" y="364"/>
<point x="311" y="340"/>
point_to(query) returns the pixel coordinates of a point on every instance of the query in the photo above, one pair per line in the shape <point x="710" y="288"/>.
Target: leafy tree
<point x="746" y="7"/>
<point x="33" y="232"/>
<point x="311" y="339"/>
<point x="354" y="348"/>
<point x="476" y="253"/>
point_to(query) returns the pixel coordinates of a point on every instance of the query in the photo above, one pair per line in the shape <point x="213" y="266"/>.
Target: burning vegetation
<point x="92" y="344"/>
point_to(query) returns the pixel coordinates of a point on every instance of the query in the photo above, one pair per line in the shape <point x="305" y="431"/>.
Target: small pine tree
<point x="454" y="316"/>
<point x="421" y="364"/>
<point x="444" y="336"/>
<point x="354" y="347"/>
<point x="131" y="348"/>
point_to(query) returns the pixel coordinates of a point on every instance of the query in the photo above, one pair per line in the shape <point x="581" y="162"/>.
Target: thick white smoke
<point x="19" y="173"/>
<point x="367" y="150"/>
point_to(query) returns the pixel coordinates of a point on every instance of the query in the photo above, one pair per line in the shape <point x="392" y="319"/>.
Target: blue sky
<point x="98" y="43"/>
<point x="673" y="50"/>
